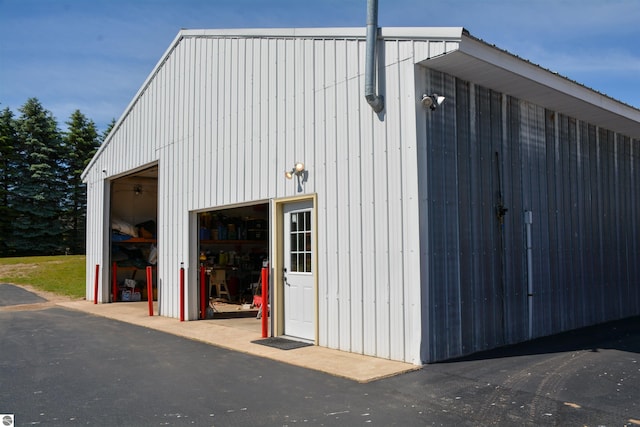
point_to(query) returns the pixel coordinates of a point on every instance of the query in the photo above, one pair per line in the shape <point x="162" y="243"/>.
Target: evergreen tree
<point x="107" y="131"/>
<point x="8" y="163"/>
<point x="40" y="189"/>
<point x="81" y="142"/>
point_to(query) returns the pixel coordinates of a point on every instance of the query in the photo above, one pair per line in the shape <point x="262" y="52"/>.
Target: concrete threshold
<point x="237" y="334"/>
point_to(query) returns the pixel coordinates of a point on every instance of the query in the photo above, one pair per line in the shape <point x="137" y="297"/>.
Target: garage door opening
<point x="133" y="216"/>
<point x="233" y="245"/>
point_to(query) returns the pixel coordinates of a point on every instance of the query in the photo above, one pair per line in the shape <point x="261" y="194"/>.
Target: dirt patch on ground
<point x="29" y="307"/>
<point x="49" y="296"/>
<point x="16" y="270"/>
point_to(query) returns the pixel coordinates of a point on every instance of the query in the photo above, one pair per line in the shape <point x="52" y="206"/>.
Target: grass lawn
<point x="63" y="275"/>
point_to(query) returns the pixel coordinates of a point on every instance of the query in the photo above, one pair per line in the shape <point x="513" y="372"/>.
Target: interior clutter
<point x="233" y="247"/>
<point x="133" y="249"/>
<point x="134" y="212"/>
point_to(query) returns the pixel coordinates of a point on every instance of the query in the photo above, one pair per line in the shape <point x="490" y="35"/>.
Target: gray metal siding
<point x="579" y="181"/>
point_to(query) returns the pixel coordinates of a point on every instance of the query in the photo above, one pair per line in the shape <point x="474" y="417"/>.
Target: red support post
<point x="150" y="290"/>
<point x="181" y="299"/>
<point x="203" y="298"/>
<point x="95" y="284"/>
<point x="114" y="282"/>
<point x="265" y="300"/>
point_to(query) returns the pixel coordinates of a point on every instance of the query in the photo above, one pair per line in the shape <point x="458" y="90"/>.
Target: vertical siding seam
<point x="598" y="170"/>
<point x="456" y="204"/>
<point x="375" y="282"/>
<point x="387" y="201"/>
<point x="347" y="188"/>
<point x="403" y="189"/>
<point x="618" y="212"/>
<point x="336" y="255"/>
<point x="579" y="280"/>
<point x="360" y="124"/>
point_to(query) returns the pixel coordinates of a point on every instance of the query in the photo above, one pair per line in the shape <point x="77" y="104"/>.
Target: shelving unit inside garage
<point x="133" y="217"/>
<point x="233" y="243"/>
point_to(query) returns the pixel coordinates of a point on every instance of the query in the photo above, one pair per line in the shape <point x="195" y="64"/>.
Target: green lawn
<point x="63" y="275"/>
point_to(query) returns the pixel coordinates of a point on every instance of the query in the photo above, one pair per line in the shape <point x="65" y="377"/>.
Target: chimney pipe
<point x="375" y="101"/>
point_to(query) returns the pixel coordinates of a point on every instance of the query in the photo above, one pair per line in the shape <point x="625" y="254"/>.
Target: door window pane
<point x="300" y="239"/>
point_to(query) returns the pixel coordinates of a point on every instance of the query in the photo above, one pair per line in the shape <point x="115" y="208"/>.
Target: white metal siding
<point x="224" y="117"/>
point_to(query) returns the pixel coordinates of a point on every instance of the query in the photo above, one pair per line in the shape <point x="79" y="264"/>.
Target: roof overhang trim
<point x="488" y="66"/>
<point x="394" y="33"/>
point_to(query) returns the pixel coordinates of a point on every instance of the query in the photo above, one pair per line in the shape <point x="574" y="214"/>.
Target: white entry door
<point x="299" y="283"/>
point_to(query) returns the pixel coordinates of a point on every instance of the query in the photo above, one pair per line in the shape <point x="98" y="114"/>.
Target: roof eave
<point x="478" y="62"/>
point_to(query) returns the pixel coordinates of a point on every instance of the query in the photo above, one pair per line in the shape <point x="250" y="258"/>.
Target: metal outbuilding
<point x="508" y="212"/>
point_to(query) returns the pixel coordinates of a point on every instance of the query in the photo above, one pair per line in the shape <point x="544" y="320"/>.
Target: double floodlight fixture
<point x="298" y="170"/>
<point x="432" y="101"/>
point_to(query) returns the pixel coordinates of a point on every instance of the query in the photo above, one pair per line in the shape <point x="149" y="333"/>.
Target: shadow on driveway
<point x="623" y="335"/>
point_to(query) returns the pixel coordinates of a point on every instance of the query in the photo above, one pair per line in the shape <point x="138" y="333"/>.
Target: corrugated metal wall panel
<point x="381" y="222"/>
<point x="355" y="212"/>
<point x="368" y="226"/>
<point x="336" y="163"/>
<point x="635" y="230"/>
<point x="319" y="170"/>
<point x="396" y="282"/>
<point x="340" y="211"/>
<point x="465" y="212"/>
<point x="579" y="182"/>
<point x="532" y="138"/>
<point x="623" y="187"/>
<point x="94" y="244"/>
<point x="513" y="239"/>
<point x="331" y="257"/>
<point x="411" y="94"/>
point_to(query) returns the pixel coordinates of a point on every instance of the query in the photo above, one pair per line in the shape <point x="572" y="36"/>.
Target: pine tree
<point x="8" y="163"/>
<point x="81" y="142"/>
<point x="108" y="130"/>
<point x="40" y="190"/>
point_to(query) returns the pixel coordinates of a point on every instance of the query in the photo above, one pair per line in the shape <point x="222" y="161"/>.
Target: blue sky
<point x="93" y="55"/>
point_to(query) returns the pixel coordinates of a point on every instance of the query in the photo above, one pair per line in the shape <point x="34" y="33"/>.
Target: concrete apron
<point x="237" y="334"/>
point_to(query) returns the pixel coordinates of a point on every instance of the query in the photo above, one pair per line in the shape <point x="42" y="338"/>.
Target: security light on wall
<point x="300" y="173"/>
<point x="432" y="101"/>
<point x="298" y="169"/>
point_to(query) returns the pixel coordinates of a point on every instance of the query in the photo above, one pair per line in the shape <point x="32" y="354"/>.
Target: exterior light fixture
<point x="432" y="101"/>
<point x="137" y="189"/>
<point x="300" y="173"/>
<point x="298" y="170"/>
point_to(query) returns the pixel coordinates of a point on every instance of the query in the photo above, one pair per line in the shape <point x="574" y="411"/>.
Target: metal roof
<point x="486" y="65"/>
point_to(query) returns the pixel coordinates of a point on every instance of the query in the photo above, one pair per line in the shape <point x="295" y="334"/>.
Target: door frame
<point x="277" y="282"/>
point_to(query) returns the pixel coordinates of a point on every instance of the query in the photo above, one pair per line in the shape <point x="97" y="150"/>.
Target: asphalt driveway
<point x="60" y="367"/>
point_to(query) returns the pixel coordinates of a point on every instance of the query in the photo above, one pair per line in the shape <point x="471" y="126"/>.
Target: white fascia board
<point x="557" y="82"/>
<point x="408" y="33"/>
<point x="478" y="62"/>
<point x="423" y="33"/>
